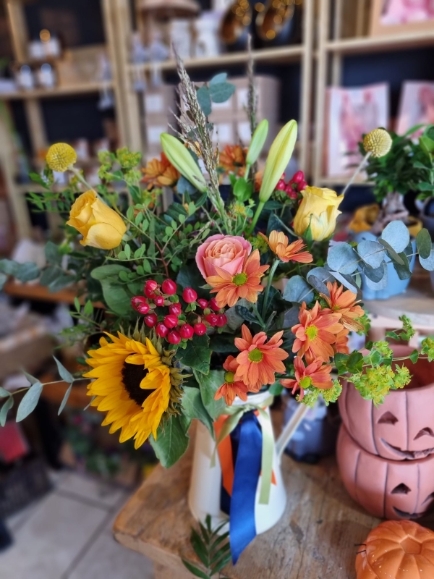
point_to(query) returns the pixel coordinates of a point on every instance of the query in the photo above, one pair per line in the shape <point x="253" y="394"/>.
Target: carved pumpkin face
<point x="385" y="488"/>
<point x="402" y="428"/>
<point x="397" y="549"/>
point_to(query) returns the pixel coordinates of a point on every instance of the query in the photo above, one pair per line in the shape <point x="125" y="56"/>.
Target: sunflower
<point x="132" y="384"/>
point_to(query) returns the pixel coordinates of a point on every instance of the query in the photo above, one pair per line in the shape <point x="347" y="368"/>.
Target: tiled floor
<point x="67" y="535"/>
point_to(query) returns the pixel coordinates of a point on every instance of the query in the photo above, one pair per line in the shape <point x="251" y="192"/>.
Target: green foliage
<point x="427" y="348"/>
<point x="329" y="396"/>
<point x="193" y="407"/>
<point x="197" y="354"/>
<point x="172" y="439"/>
<point x="377" y="381"/>
<point x="212" y="548"/>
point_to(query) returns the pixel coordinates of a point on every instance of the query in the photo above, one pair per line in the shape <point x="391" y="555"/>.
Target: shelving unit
<point x="330" y="53"/>
<point x="302" y="54"/>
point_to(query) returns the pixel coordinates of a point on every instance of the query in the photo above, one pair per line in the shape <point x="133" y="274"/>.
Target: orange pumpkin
<point x="402" y="428"/>
<point x="390" y="489"/>
<point x="397" y="550"/>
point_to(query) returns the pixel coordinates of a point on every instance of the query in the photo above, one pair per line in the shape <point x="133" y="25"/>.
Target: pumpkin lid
<point x="397" y="550"/>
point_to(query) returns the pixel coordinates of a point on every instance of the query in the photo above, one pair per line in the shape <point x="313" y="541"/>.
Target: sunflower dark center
<point x="132" y="375"/>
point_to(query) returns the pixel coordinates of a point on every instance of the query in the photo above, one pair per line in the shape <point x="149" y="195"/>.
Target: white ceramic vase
<point x="205" y="486"/>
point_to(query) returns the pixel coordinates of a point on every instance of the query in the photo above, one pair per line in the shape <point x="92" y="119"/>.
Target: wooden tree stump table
<point x="316" y="538"/>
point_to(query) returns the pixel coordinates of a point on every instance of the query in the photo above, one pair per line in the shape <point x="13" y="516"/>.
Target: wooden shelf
<point x="390" y="43"/>
<point x="342" y="181"/>
<point x="273" y="55"/>
<point x="58" y="91"/>
<point x="39" y="293"/>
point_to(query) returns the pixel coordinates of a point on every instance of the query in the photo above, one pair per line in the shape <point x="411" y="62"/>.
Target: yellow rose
<point x="319" y="208"/>
<point x="99" y="225"/>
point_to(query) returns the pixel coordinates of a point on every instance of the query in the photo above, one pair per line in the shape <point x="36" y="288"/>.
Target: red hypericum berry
<point x="170" y="321"/>
<point x="199" y="329"/>
<point x="281" y="185"/>
<point x="159" y="301"/>
<point x="149" y="288"/>
<point x="298" y="177"/>
<point x="221" y="321"/>
<point x="202" y="303"/>
<point x="140" y="304"/>
<point x="175" y="309"/>
<point x="173" y="337"/>
<point x="212" y="319"/>
<point x="161" y="330"/>
<point x="168" y="287"/>
<point x="151" y="320"/>
<point x="292" y="193"/>
<point x="302" y="186"/>
<point x="186" y="332"/>
<point x="189" y="295"/>
<point x="213" y="304"/>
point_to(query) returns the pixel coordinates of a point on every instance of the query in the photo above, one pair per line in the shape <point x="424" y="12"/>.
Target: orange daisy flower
<point x="346" y="304"/>
<point x="315" y="374"/>
<point x="245" y="284"/>
<point x="259" y="360"/>
<point x="231" y="388"/>
<point x="341" y="344"/>
<point x="160" y="173"/>
<point x="315" y="333"/>
<point x="285" y="251"/>
<point x="233" y="159"/>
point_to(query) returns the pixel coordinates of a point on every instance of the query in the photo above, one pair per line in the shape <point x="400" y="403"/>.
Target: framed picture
<point x="416" y="106"/>
<point x="399" y="16"/>
<point x="351" y="112"/>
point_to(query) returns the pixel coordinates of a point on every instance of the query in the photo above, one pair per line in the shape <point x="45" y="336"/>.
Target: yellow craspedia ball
<point x="60" y="157"/>
<point x="378" y="142"/>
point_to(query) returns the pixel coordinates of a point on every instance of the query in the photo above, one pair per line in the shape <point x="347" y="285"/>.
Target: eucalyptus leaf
<point x="342" y="258"/>
<point x="403" y="271"/>
<point x="29" y="401"/>
<point x="346" y="281"/>
<point x="424" y="243"/>
<point x="221" y="92"/>
<point x="297" y="290"/>
<point x="3" y="280"/>
<point x="391" y="252"/>
<point x="379" y="285"/>
<point x="375" y="275"/>
<point x="428" y="263"/>
<point x="64" y="373"/>
<point x="4" y="393"/>
<point x="52" y="253"/>
<point x="5" y="409"/>
<point x="318" y="277"/>
<point x="396" y="234"/>
<point x="219" y="78"/>
<point x="372" y="253"/>
<point x="245" y="313"/>
<point x="27" y="272"/>
<point x="204" y="98"/>
<point x="193" y="407"/>
<point x="65" y="399"/>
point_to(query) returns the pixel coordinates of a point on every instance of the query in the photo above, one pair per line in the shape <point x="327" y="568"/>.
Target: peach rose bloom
<point x="228" y="252"/>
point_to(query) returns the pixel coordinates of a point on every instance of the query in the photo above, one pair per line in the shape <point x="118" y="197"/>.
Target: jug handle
<point x="290" y="428"/>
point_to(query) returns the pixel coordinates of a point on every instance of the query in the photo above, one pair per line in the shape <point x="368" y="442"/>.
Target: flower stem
<point x="256" y="217"/>
<point x="356" y="172"/>
<point x="267" y="290"/>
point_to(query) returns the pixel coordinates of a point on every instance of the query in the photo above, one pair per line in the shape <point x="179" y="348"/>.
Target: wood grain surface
<point x="316" y="538"/>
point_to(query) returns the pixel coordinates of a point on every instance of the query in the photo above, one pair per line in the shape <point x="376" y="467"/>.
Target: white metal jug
<point x="204" y="493"/>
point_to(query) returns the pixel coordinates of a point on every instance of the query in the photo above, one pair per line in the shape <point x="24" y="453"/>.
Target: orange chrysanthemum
<point x="285" y="251"/>
<point x="160" y="173"/>
<point x="231" y="387"/>
<point x="259" y="361"/>
<point x="341" y="344"/>
<point x="315" y="374"/>
<point x="233" y="159"/>
<point x="346" y="304"/>
<point x="245" y="284"/>
<point x="315" y="333"/>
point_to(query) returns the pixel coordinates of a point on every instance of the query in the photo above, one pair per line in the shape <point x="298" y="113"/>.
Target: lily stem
<point x="267" y="289"/>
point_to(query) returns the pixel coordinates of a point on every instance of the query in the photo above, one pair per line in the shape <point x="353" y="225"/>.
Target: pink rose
<point x="225" y="251"/>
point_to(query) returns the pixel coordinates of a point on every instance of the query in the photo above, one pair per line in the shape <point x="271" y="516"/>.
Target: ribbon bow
<point x="245" y="444"/>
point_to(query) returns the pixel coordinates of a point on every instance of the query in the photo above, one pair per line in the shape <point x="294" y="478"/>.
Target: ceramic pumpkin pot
<point x="387" y="489"/>
<point x="402" y="428"/>
<point x="397" y="550"/>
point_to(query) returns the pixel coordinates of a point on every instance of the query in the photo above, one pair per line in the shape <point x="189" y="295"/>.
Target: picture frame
<point x="401" y="16"/>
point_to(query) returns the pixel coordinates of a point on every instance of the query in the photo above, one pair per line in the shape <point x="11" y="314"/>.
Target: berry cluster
<point x="176" y="323"/>
<point x="294" y="186"/>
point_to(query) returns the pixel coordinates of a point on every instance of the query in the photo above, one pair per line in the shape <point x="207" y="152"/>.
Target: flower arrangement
<point x="211" y="299"/>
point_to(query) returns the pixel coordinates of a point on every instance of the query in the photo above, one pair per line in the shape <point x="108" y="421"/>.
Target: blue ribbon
<point x="246" y="441"/>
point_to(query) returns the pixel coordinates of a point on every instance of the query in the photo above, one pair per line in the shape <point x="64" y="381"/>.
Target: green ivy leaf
<point x="172" y="440"/>
<point x="193" y="407"/>
<point x="197" y="354"/>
